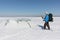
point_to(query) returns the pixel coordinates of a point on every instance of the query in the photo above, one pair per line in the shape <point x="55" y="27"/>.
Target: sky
<point x="29" y="7"/>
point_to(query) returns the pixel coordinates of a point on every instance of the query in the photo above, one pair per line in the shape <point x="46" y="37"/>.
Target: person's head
<point x="46" y="13"/>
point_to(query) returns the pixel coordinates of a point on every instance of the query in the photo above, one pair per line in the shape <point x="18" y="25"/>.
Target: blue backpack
<point x="50" y="17"/>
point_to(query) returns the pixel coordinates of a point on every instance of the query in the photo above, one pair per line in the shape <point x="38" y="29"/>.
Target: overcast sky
<point x="29" y="7"/>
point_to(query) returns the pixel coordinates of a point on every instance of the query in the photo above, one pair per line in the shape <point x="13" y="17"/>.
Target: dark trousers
<point x="46" y="24"/>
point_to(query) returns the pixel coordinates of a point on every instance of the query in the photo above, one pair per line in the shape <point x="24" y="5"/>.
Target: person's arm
<point x="42" y="17"/>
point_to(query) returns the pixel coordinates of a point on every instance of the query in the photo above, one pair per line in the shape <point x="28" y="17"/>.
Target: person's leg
<point x="48" y="25"/>
<point x="45" y="25"/>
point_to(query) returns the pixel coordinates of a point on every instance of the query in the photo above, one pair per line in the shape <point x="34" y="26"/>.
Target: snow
<point x="28" y="28"/>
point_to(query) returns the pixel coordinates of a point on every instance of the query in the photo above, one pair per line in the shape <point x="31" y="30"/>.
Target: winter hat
<point x="46" y="12"/>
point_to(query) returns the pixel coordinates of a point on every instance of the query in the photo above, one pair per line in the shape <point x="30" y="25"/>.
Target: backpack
<point x="50" y="17"/>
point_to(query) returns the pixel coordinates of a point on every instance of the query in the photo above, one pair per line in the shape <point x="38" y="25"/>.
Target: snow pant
<point x="46" y="24"/>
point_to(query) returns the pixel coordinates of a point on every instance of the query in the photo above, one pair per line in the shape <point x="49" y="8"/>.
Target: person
<point x="46" y="19"/>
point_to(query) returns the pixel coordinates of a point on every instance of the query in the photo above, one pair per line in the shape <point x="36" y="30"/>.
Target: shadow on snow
<point x="42" y="27"/>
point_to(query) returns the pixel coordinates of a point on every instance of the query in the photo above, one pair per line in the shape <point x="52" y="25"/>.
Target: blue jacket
<point x="46" y="19"/>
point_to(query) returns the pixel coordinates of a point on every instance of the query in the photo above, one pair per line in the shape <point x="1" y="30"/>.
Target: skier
<point x="46" y="19"/>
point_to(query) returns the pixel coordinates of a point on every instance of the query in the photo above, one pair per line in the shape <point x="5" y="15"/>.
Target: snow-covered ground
<point x="28" y="28"/>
